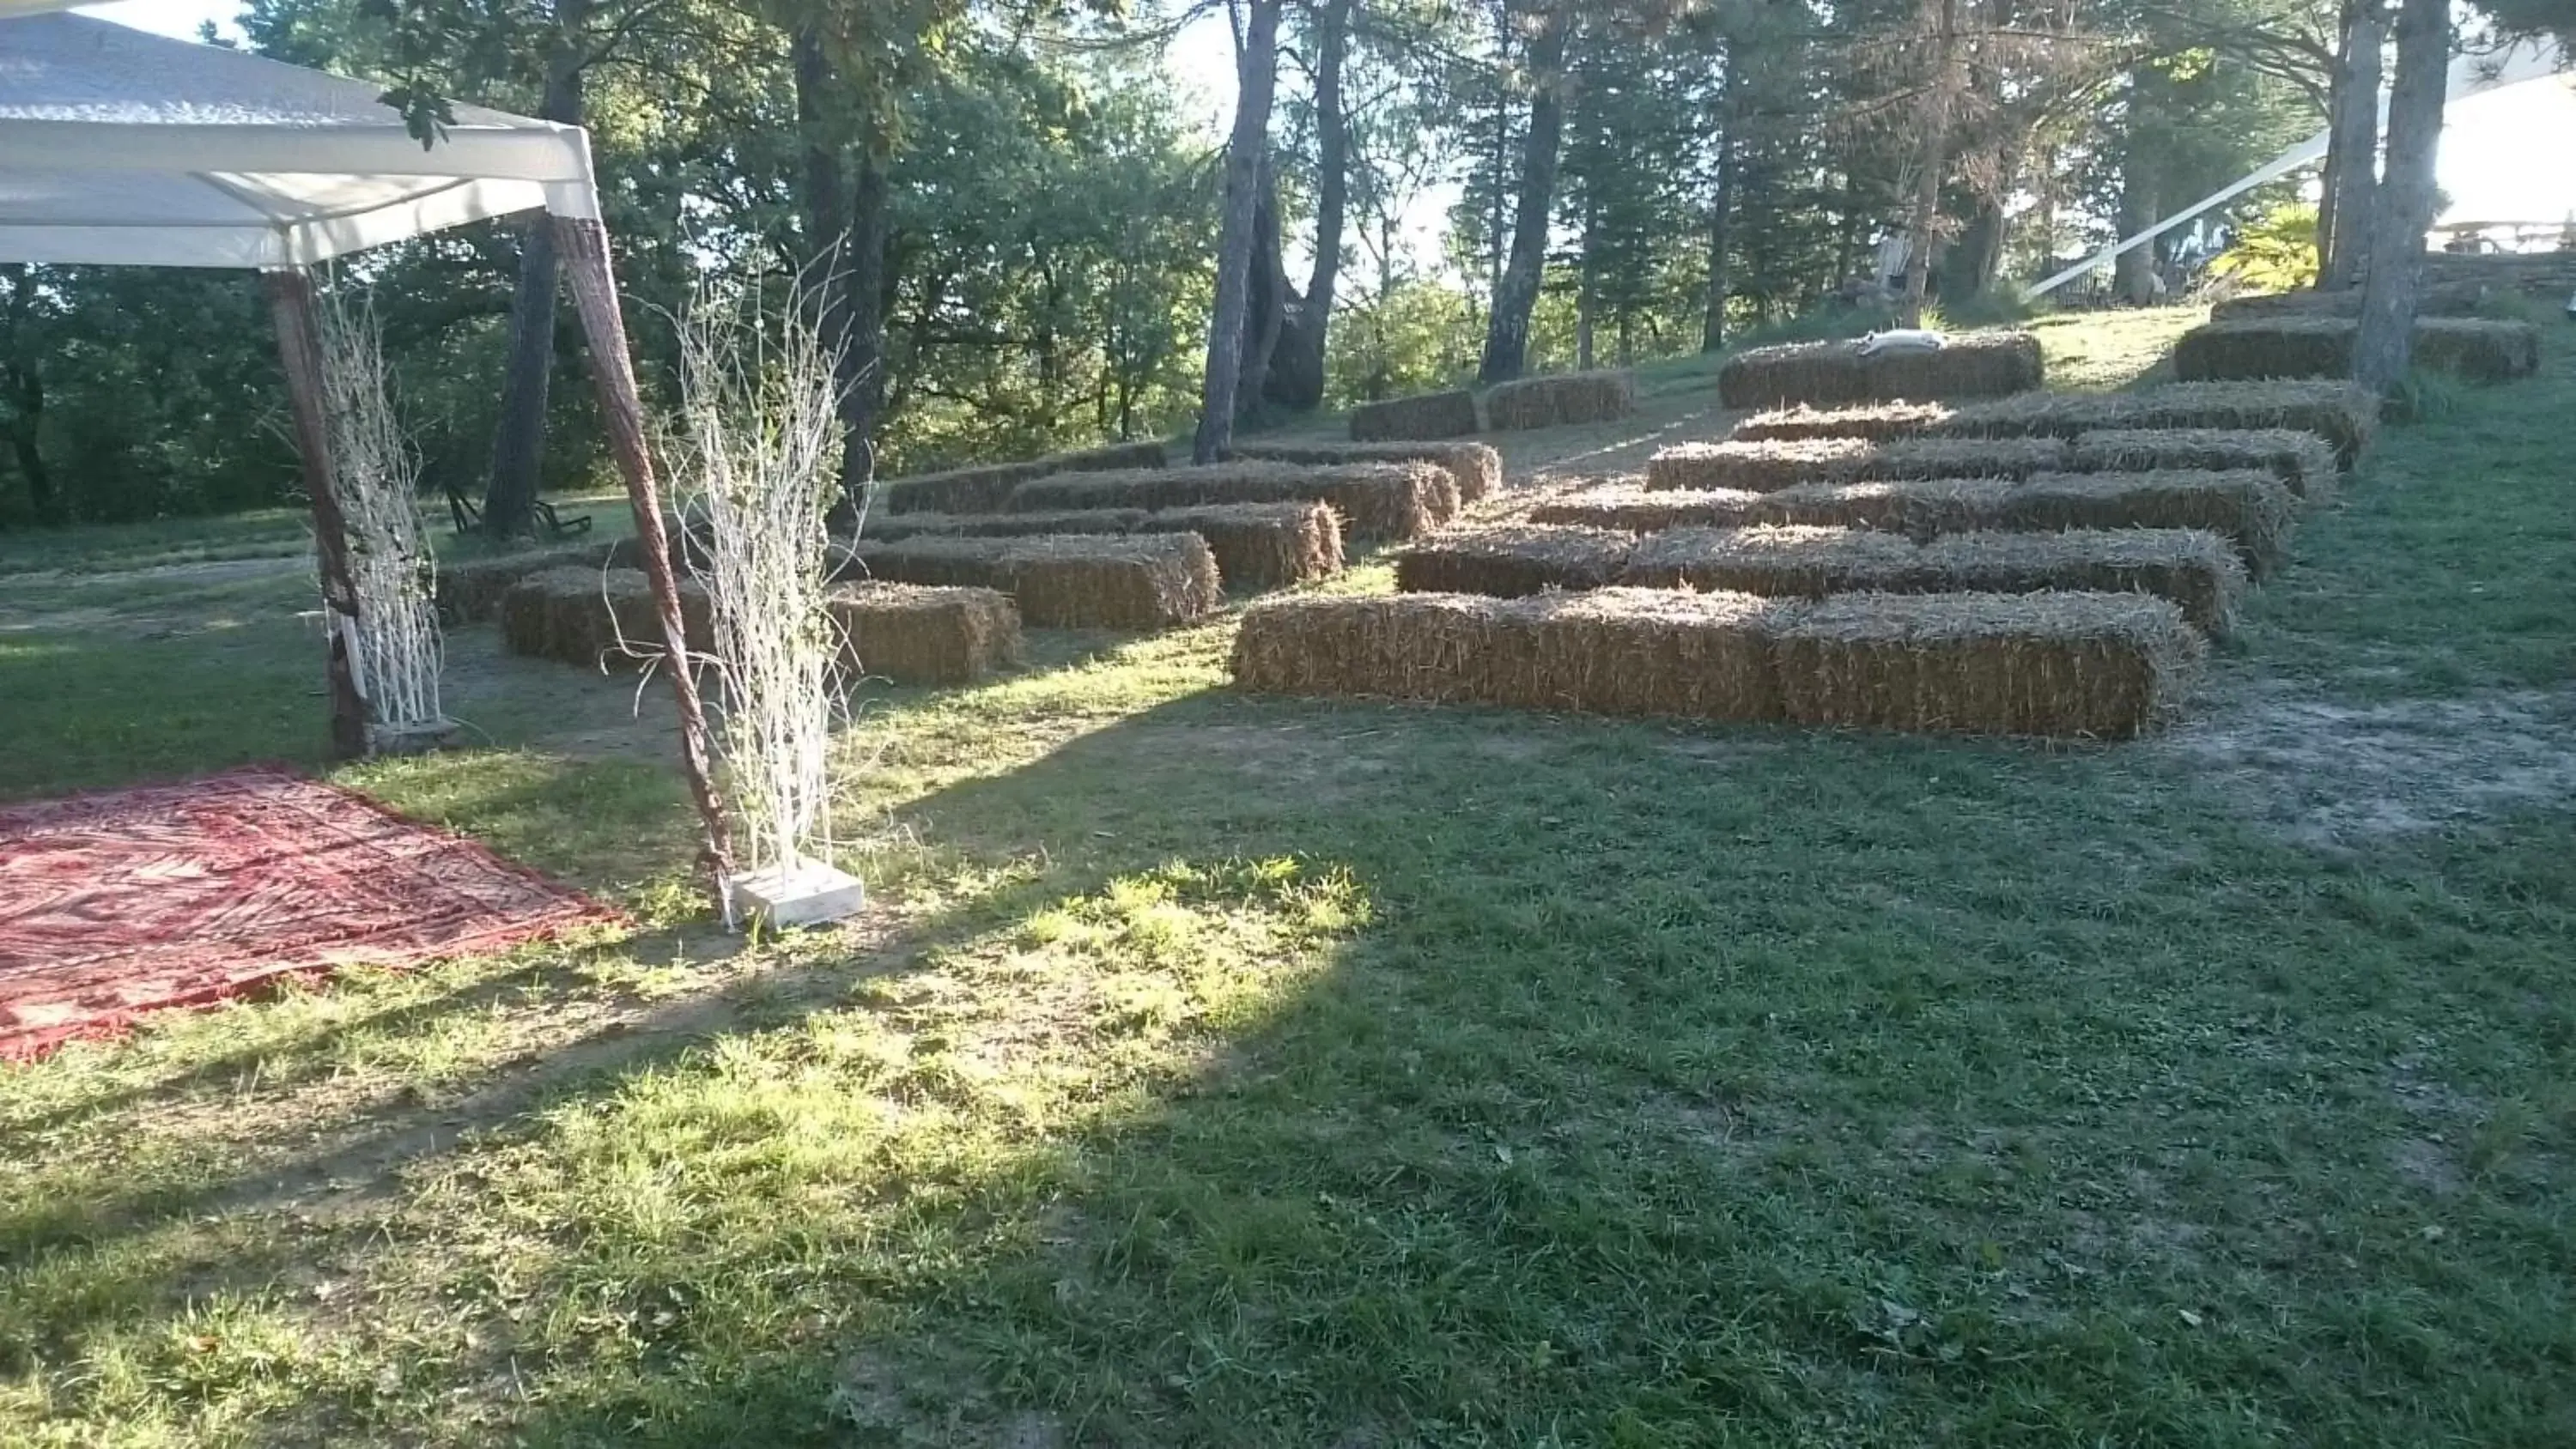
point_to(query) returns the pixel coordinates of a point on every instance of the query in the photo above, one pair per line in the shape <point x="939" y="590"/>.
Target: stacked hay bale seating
<point x="982" y="489"/>
<point x="2342" y="414"/>
<point x="1257" y="545"/>
<point x="1510" y="560"/>
<point x="470" y="591"/>
<point x="1063" y="581"/>
<point x="1395" y="499"/>
<point x="1476" y="467"/>
<point x="2478" y="349"/>
<point x="2304" y="462"/>
<point x="913" y="634"/>
<point x="2107" y="666"/>
<point x="1832" y="374"/>
<point x="593" y="617"/>
<point x="1563" y="400"/>
<point x="1763" y="467"/>
<point x="2451" y="299"/>
<point x="1428" y="416"/>
<point x="2249" y="508"/>
<point x="1875" y="421"/>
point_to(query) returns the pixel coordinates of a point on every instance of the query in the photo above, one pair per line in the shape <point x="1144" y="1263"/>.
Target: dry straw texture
<point x="1636" y="509"/>
<point x="1877" y="421"/>
<point x="2342" y="414"/>
<point x="1257" y="545"/>
<point x="2478" y="349"/>
<point x="2195" y="569"/>
<point x="1564" y="400"/>
<point x="2450" y="299"/>
<point x="1612" y="651"/>
<point x="594" y="617"/>
<point x="1834" y="374"/>
<point x="1766" y="467"/>
<point x="983" y="489"/>
<point x="2070" y="665"/>
<point x="1509" y="560"/>
<point x="916" y="635"/>
<point x="1431" y="415"/>
<point x="1390" y="500"/>
<point x="471" y="592"/>
<point x="1062" y="581"/>
<point x="2301" y="460"/>
<point x="2250" y="508"/>
<point x="1476" y="467"/>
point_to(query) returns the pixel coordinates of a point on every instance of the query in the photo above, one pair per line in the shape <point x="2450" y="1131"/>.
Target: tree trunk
<point x="519" y="437"/>
<point x="1516" y="295"/>
<point x="1256" y="75"/>
<point x="1934" y="160"/>
<point x="845" y="221"/>
<point x="1296" y="378"/>
<point x="1721" y="210"/>
<point x="2133" y="271"/>
<point x="860" y="363"/>
<point x="1267" y="300"/>
<point x="2404" y="209"/>
<point x="2352" y="149"/>
<point x="26" y="418"/>
<point x="299" y="352"/>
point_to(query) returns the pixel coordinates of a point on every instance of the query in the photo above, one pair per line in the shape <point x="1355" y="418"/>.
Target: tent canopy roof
<point x="122" y="147"/>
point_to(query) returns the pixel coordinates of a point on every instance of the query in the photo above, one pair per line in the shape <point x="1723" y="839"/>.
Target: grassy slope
<point x="1248" y="1071"/>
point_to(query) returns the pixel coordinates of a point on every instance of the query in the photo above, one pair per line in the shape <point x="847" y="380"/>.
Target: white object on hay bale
<point x="1902" y="339"/>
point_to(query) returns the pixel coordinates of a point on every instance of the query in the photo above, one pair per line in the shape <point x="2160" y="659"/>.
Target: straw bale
<point x="1611" y="651"/>
<point x="2068" y="665"/>
<point x="471" y="591"/>
<point x="2301" y="460"/>
<point x="1509" y="560"/>
<point x="592" y="616"/>
<point x="913" y="634"/>
<point x="1875" y="421"/>
<point x="1110" y="457"/>
<point x="2248" y="507"/>
<point x="1476" y="467"/>
<point x="958" y="490"/>
<point x="2476" y="348"/>
<point x="1430" y="415"/>
<point x="1563" y="400"/>
<point x="1765" y="467"/>
<point x="1834" y="374"/>
<point x="1066" y="581"/>
<point x="1647" y="510"/>
<point x="1775" y="560"/>
<point x="1257" y="545"/>
<point x="1383" y="500"/>
<point x="2338" y="412"/>
<point x="1003" y="525"/>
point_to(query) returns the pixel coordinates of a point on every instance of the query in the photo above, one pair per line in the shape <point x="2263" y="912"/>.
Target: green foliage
<point x="1417" y="336"/>
<point x="2276" y="254"/>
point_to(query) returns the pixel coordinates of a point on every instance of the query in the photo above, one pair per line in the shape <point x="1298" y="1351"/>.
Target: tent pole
<point x="583" y="243"/>
<point x="299" y="349"/>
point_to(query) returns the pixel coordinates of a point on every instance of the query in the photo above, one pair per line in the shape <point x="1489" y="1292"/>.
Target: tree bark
<point x="1935" y="159"/>
<point x="859" y="365"/>
<point x="299" y="351"/>
<point x="1721" y="209"/>
<point x="846" y="222"/>
<point x="25" y="384"/>
<point x="2133" y="271"/>
<point x="2352" y="150"/>
<point x="1267" y="300"/>
<point x="519" y="437"/>
<point x="2406" y="197"/>
<point x="1296" y="377"/>
<point x="1516" y="294"/>
<point x="1256" y="75"/>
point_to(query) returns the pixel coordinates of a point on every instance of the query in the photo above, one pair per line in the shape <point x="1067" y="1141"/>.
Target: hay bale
<point x="1510" y="560"/>
<point x="1475" y="467"/>
<point x="958" y="490"/>
<point x="1917" y="507"/>
<point x="1612" y="651"/>
<point x="1431" y="415"/>
<point x="1005" y="525"/>
<point x="2479" y="349"/>
<point x="1062" y="581"/>
<point x="1563" y="400"/>
<point x="1765" y="467"/>
<point x="471" y="591"/>
<point x="1875" y="421"/>
<point x="2250" y="508"/>
<point x="913" y="634"/>
<point x="1257" y="545"/>
<point x="2065" y="665"/>
<point x="591" y="616"/>
<point x="1386" y="500"/>
<point x="2338" y="412"/>
<point x="2301" y="460"/>
<point x="1109" y="457"/>
<point x="1634" y="509"/>
<point x="2458" y="299"/>
<point x="2195" y="569"/>
<point x="1834" y="374"/>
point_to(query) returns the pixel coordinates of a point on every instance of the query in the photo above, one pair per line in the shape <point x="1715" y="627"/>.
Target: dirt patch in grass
<point x="2326" y="773"/>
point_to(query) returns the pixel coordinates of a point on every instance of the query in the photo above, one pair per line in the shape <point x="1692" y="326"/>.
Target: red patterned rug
<point x="122" y="902"/>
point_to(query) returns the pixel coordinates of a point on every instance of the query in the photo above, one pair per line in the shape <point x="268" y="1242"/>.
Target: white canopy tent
<point x="119" y="147"/>
<point x="2517" y="101"/>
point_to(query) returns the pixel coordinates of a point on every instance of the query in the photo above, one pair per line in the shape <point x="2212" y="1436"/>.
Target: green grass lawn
<point x="1219" y="1070"/>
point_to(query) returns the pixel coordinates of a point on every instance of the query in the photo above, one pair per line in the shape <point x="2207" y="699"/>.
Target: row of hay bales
<point x="1058" y="580"/>
<point x="982" y="488"/>
<point x="1565" y="399"/>
<point x="1256" y="545"/>
<point x="604" y="618"/>
<point x="2342" y="414"/>
<point x="2069" y="665"/>
<point x="2477" y="349"/>
<point x="2304" y="462"/>
<point x="1833" y="374"/>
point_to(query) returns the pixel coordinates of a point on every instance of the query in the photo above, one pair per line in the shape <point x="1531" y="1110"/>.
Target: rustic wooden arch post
<point x="299" y="350"/>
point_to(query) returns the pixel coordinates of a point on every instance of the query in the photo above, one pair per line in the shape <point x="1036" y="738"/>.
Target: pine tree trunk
<point x="1267" y="301"/>
<point x="1516" y="295"/>
<point x="845" y="222"/>
<point x="2407" y="195"/>
<point x="2352" y="147"/>
<point x="1935" y="160"/>
<point x="860" y="369"/>
<point x="1256" y="75"/>
<point x="1296" y="378"/>
<point x="519" y="437"/>
<point x="2133" y="271"/>
<point x="1721" y="211"/>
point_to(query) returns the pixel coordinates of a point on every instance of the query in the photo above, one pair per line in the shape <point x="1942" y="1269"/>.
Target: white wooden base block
<point x="799" y="893"/>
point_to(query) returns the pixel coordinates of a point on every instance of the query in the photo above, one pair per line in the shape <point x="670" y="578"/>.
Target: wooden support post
<point x="583" y="244"/>
<point x="299" y="347"/>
